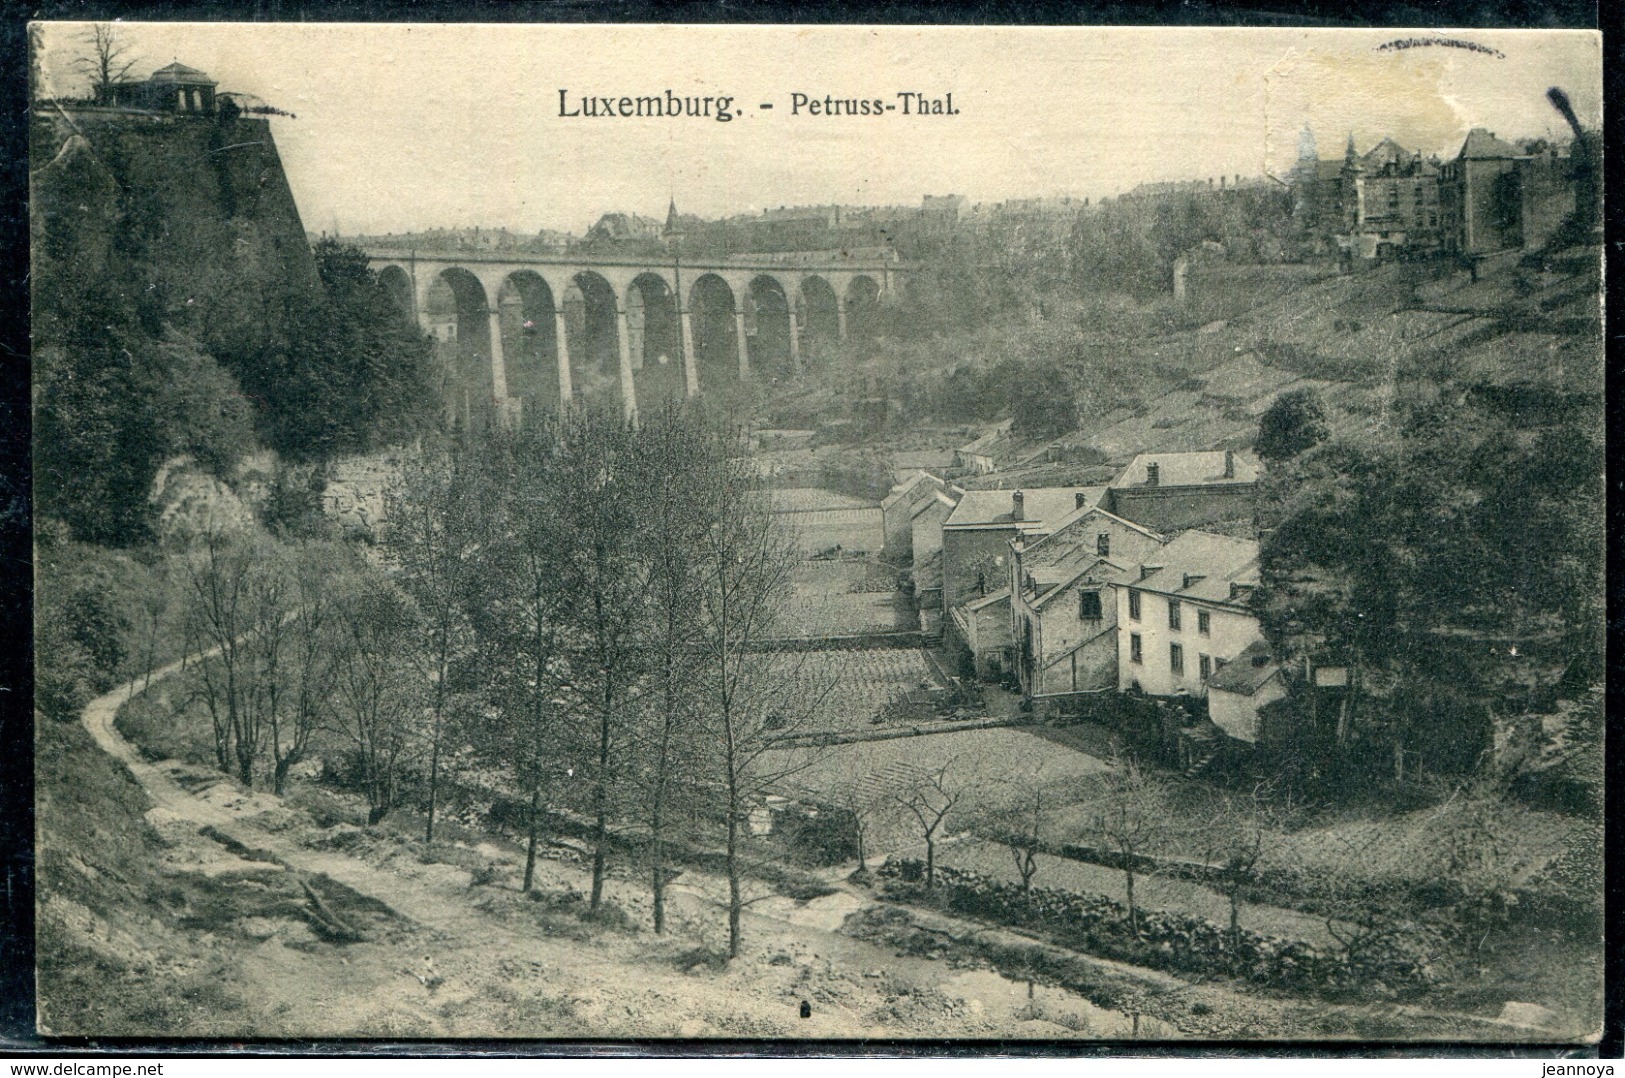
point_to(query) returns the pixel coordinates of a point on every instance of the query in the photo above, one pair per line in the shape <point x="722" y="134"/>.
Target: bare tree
<point x="1484" y="859"/>
<point x="931" y="798"/>
<point x="1129" y="820"/>
<point x="307" y="667"/>
<point x="238" y="603"/>
<point x="1236" y="839"/>
<point x="750" y="703"/>
<point x="377" y="694"/>
<point x="1020" y="823"/>
<point x="109" y="61"/>
<point x="156" y="600"/>
<point x="677" y="504"/>
<point x="593" y="489"/>
<point x="861" y="794"/>
<point x="434" y="533"/>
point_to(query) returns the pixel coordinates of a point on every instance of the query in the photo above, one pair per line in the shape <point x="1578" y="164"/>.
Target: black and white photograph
<point x="849" y="534"/>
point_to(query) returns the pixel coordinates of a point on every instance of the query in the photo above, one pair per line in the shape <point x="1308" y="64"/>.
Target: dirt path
<point x="446" y="959"/>
<point x="459" y="961"/>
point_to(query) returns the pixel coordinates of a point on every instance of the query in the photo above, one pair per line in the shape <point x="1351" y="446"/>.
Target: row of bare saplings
<point x="577" y="607"/>
<point x="1167" y="939"/>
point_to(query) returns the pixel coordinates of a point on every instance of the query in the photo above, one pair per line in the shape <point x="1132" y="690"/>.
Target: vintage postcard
<point x="749" y="533"/>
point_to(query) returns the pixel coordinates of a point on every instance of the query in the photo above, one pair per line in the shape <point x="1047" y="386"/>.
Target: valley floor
<point x="268" y="925"/>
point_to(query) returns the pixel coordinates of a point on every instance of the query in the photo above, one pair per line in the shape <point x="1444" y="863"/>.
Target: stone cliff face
<point x="191" y="216"/>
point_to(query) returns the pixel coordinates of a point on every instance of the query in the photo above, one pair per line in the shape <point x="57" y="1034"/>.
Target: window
<point x="1176" y="658"/>
<point x="1204" y="622"/>
<point x="1134" y="605"/>
<point x="1089" y="605"/>
<point x="1173" y="613"/>
<point x="1103" y="544"/>
<point x="1204" y="666"/>
<point x="1135" y="655"/>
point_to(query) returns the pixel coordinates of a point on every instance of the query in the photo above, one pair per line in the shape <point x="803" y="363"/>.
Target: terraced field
<point x="858" y="685"/>
<point x="987" y="764"/>
<point x="839" y="598"/>
<point x="855" y="528"/>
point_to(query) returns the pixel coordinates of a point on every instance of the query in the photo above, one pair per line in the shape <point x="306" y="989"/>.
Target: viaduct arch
<point x="531" y="333"/>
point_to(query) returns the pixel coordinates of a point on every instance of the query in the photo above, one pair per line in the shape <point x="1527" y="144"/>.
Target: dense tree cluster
<point x="581" y="608"/>
<point x="604" y="592"/>
<point x="354" y="375"/>
<point x="1455" y="569"/>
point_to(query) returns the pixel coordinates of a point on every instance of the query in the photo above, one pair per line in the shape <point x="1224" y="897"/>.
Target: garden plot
<point x="812" y="531"/>
<point x="858" y="686"/>
<point x="806" y="499"/>
<point x="839" y="598"/>
<point x="988" y="766"/>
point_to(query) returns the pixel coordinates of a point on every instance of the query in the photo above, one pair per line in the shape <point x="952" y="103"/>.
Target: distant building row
<point x="1391" y="202"/>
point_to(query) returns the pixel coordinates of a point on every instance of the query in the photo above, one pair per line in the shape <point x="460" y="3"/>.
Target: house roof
<point x="987" y="442"/>
<point x="1329" y="168"/>
<point x="1188" y="470"/>
<point x="942" y="498"/>
<point x="1481" y="143"/>
<point x="1090" y="509"/>
<point x="1041" y="507"/>
<point x="992" y="598"/>
<point x="903" y="489"/>
<point x="1099" y="570"/>
<point x="181" y="75"/>
<point x="1201" y="565"/>
<point x="1247" y="672"/>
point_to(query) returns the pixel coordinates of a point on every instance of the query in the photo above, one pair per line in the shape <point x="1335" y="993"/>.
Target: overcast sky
<point x="412" y="127"/>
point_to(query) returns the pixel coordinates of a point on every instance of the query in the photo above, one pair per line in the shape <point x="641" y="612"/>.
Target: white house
<point x="1237" y="692"/>
<point x="1187" y="614"/>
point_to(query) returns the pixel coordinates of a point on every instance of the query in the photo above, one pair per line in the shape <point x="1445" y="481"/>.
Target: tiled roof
<point x="1089" y="509"/>
<point x="1482" y="143"/>
<point x="1201" y="565"/>
<point x="1247" y="672"/>
<point x="903" y="489"/>
<point x="1099" y="570"/>
<point x="990" y="599"/>
<point x="988" y="441"/>
<point x="1188" y="469"/>
<point x="941" y="498"/>
<point x="1041" y="508"/>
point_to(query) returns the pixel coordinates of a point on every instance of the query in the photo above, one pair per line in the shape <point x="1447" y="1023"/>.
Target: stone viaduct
<point x="527" y="331"/>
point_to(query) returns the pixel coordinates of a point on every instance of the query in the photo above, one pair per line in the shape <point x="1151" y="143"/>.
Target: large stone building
<point x="1063" y="614"/>
<point x="976" y="539"/>
<point x="1483" y="196"/>
<point x="1171" y="491"/>
<point x="1391" y="202"/>
<point x="1375" y="205"/>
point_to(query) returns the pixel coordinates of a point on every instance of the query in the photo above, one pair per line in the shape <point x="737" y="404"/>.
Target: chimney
<point x="1018" y="506"/>
<point x="1080" y="499"/>
<point x="1153" y="474"/>
<point x="1229" y="463"/>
